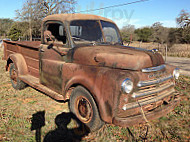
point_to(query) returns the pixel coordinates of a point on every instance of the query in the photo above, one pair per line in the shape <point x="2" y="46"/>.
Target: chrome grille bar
<point x="153" y="69"/>
<point x="152" y="100"/>
<point x="154" y="91"/>
<point x="155" y="81"/>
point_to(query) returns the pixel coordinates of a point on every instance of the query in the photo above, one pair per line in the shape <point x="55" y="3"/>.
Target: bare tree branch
<point x="33" y="11"/>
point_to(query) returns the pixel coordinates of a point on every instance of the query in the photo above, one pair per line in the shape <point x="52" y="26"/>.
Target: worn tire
<point x="15" y="81"/>
<point x="78" y="98"/>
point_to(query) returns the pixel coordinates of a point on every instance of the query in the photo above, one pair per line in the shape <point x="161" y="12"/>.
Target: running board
<point x="34" y="82"/>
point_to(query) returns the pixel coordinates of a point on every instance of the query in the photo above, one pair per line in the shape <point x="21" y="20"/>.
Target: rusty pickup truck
<point x="81" y="58"/>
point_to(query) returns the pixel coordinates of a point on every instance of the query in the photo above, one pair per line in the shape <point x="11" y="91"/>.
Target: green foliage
<point x="19" y="30"/>
<point x="144" y="34"/>
<point x="160" y="34"/>
<point x="5" y="25"/>
<point x="127" y="33"/>
<point x="125" y="36"/>
<point x="14" y="32"/>
<point x="174" y="36"/>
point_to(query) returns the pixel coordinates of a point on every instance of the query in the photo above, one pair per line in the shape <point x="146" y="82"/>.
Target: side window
<point x="55" y="33"/>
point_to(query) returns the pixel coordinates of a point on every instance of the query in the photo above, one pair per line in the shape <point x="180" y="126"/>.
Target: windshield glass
<point x="93" y="31"/>
<point x="110" y="32"/>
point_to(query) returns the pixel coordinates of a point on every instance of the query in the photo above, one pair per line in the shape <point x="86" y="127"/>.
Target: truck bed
<point x="29" y="50"/>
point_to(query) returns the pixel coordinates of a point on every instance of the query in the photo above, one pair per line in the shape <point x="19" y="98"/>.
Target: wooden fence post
<point x="166" y="52"/>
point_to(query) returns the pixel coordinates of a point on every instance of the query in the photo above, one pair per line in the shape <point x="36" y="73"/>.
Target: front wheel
<point x="15" y="81"/>
<point x="84" y="107"/>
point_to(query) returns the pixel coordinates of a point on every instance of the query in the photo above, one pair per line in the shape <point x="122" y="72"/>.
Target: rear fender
<point x="19" y="62"/>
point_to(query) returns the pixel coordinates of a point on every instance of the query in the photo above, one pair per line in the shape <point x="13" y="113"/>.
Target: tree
<point x="5" y="25"/>
<point x="128" y="33"/>
<point x="160" y="33"/>
<point x="33" y="11"/>
<point x="29" y="14"/>
<point x="48" y="7"/>
<point x="14" y="32"/>
<point x="183" y="20"/>
<point x="144" y="34"/>
<point x="174" y="36"/>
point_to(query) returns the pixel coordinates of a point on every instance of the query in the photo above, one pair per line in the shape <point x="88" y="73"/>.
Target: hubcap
<point x="83" y="109"/>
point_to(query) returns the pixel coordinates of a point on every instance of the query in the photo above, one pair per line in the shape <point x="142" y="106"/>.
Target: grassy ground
<point x="19" y="108"/>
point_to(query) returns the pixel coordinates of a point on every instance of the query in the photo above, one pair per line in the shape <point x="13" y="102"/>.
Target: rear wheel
<point x="15" y="81"/>
<point x="84" y="107"/>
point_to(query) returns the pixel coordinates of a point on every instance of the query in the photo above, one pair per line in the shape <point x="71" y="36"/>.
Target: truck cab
<point x="81" y="58"/>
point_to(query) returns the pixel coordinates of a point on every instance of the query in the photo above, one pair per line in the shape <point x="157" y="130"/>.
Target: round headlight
<point x="176" y="73"/>
<point x="127" y="86"/>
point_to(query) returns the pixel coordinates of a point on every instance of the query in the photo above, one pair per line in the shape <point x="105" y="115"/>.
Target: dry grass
<point x="177" y="50"/>
<point x="17" y="108"/>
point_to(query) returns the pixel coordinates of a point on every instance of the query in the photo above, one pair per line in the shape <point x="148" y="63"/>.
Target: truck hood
<point x="121" y="57"/>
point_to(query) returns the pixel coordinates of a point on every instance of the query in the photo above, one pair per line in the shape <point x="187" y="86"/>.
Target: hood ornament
<point x="154" y="50"/>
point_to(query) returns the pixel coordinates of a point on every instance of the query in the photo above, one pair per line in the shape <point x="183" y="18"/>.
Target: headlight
<point x="127" y="86"/>
<point x="176" y="73"/>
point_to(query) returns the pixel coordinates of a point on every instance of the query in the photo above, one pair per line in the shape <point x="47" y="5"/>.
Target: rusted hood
<point x="117" y="57"/>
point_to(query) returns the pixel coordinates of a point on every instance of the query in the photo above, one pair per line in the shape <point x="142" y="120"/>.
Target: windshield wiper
<point x="81" y="39"/>
<point x="117" y="43"/>
<point x="109" y="43"/>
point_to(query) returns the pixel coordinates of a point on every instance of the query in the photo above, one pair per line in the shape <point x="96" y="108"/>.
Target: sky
<point x="139" y="14"/>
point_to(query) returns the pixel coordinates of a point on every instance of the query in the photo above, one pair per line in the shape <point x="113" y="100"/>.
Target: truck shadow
<point x="62" y="132"/>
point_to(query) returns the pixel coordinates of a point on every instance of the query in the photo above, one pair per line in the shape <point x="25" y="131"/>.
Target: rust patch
<point x="108" y="108"/>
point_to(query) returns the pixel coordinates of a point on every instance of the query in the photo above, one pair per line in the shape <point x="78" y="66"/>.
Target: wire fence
<point x="177" y="50"/>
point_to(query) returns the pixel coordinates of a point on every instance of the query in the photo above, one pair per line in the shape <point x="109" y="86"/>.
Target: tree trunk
<point x="30" y="28"/>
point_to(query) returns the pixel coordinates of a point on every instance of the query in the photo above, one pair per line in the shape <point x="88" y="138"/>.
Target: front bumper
<point x="156" y="113"/>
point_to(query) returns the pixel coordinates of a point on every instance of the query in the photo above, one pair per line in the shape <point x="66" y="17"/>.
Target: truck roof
<point x="76" y="16"/>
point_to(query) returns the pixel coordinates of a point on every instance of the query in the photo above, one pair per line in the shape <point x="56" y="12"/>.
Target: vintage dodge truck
<point x="81" y="58"/>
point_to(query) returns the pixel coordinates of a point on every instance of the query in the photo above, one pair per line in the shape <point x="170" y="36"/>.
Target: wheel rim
<point x="14" y="76"/>
<point x="83" y="109"/>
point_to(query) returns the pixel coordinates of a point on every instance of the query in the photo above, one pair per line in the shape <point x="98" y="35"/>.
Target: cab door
<point x="53" y="54"/>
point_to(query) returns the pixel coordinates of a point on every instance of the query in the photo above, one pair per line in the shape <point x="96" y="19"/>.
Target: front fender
<point x="103" y="84"/>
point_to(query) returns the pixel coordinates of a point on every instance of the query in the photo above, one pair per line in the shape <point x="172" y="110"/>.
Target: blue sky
<point x="139" y="14"/>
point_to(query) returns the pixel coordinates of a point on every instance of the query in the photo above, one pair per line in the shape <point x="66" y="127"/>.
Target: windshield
<point x="94" y="31"/>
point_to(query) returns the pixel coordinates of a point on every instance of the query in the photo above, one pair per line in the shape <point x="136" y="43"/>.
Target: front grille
<point x="152" y="92"/>
<point x="154" y="86"/>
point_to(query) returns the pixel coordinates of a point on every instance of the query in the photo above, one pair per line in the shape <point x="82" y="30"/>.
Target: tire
<point x="83" y="106"/>
<point x="15" y="81"/>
